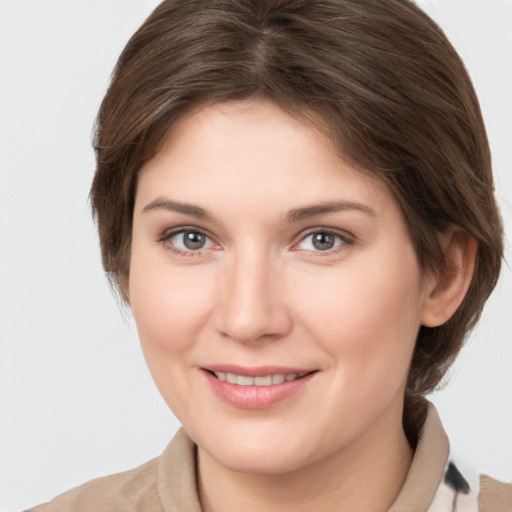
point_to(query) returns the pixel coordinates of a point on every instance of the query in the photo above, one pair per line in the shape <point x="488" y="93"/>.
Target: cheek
<point x="367" y="316"/>
<point x="169" y="307"/>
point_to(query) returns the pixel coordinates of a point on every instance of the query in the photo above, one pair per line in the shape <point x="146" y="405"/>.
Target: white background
<point x="76" y="399"/>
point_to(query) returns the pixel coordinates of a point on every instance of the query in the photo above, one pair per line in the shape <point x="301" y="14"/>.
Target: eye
<point x="189" y="240"/>
<point x="321" y="241"/>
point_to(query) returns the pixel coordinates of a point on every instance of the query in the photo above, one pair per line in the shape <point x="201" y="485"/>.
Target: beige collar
<point x="427" y="467"/>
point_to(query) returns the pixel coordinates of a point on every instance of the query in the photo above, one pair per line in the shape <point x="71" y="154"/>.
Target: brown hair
<point x="378" y="76"/>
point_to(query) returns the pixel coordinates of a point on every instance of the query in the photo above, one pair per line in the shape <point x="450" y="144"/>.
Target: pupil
<point x="323" y="241"/>
<point x="194" y="240"/>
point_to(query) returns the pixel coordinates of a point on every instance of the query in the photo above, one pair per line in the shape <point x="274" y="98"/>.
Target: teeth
<point x="267" y="380"/>
<point x="243" y="380"/>
<point x="263" y="381"/>
<point x="278" y="379"/>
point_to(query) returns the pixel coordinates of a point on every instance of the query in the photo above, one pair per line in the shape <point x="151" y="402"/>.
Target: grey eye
<point x="320" y="241"/>
<point x="323" y="241"/>
<point x="190" y="240"/>
<point x="193" y="240"/>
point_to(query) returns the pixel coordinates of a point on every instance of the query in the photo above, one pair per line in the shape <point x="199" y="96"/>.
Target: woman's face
<point x="275" y="289"/>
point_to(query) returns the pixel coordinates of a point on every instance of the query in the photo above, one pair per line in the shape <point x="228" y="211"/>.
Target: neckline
<point x="177" y="480"/>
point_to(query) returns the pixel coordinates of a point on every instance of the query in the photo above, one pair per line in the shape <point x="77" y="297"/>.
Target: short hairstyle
<point x="378" y="77"/>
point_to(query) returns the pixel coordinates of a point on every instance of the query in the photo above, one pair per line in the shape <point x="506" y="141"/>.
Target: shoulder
<point x="121" y="491"/>
<point x="138" y="490"/>
<point x="469" y="491"/>
<point x="446" y="481"/>
<point x="494" y="496"/>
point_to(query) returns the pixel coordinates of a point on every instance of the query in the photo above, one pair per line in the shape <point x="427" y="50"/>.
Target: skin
<point x="260" y="293"/>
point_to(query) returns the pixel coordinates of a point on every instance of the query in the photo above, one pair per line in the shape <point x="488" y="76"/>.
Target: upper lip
<point x="256" y="371"/>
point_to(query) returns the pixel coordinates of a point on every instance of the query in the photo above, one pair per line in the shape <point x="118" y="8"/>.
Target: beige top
<point x="168" y="483"/>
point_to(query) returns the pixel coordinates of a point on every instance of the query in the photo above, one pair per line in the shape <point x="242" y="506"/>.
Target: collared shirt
<point x="435" y="483"/>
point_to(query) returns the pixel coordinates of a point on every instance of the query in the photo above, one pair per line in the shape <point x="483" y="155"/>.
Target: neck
<point x="367" y="475"/>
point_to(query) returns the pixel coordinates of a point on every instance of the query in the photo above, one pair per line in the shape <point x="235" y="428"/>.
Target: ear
<point x="446" y="291"/>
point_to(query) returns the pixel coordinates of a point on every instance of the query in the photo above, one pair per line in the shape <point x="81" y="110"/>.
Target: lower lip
<point x="255" y="397"/>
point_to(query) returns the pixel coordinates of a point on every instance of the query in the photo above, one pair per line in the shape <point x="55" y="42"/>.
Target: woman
<point x="296" y="201"/>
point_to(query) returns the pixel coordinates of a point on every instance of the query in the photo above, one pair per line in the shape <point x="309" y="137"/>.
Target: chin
<point x="257" y="462"/>
<point x="257" y="453"/>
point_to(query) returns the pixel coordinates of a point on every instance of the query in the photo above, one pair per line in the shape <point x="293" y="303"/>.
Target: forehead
<point x="246" y="154"/>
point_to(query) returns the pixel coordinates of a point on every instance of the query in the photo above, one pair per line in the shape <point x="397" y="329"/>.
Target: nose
<point x="252" y="305"/>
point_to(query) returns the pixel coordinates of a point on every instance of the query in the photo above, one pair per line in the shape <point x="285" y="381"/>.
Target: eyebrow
<point x="294" y="215"/>
<point x="175" y="206"/>
<point x="307" y="212"/>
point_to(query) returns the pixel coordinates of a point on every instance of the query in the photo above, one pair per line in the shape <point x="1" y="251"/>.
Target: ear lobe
<point x="447" y="290"/>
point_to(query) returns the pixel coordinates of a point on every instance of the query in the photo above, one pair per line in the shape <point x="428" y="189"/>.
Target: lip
<point x="255" y="397"/>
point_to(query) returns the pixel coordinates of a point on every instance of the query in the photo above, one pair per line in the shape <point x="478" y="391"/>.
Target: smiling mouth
<point x="267" y="380"/>
<point x="256" y="387"/>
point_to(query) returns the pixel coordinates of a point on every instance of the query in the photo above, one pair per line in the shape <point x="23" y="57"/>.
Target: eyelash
<point x="168" y="235"/>
<point x="347" y="240"/>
